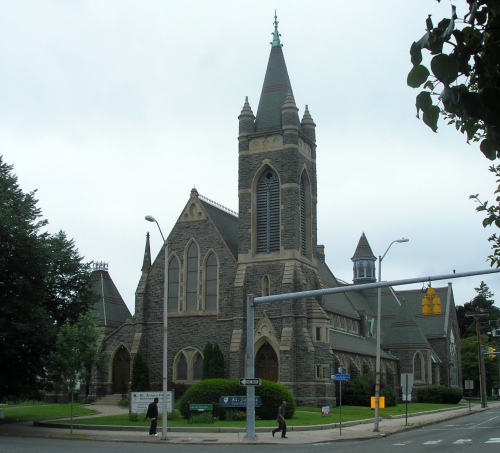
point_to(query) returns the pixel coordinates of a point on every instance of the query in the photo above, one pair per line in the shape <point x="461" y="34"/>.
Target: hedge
<point x="209" y="391"/>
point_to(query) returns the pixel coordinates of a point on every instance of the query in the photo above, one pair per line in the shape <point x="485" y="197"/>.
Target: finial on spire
<point x="275" y="33"/>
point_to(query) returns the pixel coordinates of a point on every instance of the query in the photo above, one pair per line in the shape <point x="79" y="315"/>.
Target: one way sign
<point x="248" y="381"/>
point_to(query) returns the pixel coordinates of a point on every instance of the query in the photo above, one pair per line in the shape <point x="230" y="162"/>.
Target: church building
<point x="216" y="257"/>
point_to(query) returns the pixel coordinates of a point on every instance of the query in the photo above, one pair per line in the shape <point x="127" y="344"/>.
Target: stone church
<point x="215" y="257"/>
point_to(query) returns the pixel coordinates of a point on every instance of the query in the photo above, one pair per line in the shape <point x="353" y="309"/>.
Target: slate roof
<point x="355" y="344"/>
<point x="110" y="309"/>
<point x="339" y="303"/>
<point x="363" y="250"/>
<point x="274" y="93"/>
<point x="225" y="222"/>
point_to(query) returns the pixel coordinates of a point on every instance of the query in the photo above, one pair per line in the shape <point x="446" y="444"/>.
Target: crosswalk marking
<point x="493" y="440"/>
<point x="432" y="442"/>
<point x="462" y="441"/>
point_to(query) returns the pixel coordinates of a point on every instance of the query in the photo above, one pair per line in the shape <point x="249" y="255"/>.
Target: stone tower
<point x="363" y="262"/>
<point x="277" y="243"/>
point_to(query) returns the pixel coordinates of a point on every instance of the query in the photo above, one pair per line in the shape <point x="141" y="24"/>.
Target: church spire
<point x="146" y="263"/>
<point x="364" y="262"/>
<point x="276" y="35"/>
<point x="275" y="89"/>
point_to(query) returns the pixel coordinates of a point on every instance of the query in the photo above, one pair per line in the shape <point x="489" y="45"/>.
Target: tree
<point x="140" y="375"/>
<point x="77" y="349"/>
<point x="42" y="282"/>
<point x="465" y="67"/>
<point x="470" y="366"/>
<point x="213" y="362"/>
<point x="482" y="303"/>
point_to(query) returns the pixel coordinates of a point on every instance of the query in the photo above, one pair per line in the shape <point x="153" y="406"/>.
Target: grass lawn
<point x="304" y="416"/>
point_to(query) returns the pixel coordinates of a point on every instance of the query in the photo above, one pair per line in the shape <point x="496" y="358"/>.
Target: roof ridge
<point x="217" y="205"/>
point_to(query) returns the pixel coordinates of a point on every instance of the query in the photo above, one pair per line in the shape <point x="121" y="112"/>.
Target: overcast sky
<point x="116" y="109"/>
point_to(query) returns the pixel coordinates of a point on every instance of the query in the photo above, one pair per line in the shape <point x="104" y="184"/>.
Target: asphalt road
<point x="472" y="433"/>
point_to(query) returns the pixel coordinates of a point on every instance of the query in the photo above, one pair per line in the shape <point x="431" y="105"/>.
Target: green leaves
<point x="445" y="68"/>
<point x="417" y="76"/>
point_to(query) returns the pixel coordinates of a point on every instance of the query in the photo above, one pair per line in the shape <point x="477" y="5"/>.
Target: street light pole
<point x="165" y="337"/>
<point x="379" y="315"/>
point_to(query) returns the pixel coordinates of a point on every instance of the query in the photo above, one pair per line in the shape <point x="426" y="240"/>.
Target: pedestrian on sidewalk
<point x="281" y="421"/>
<point x="152" y="413"/>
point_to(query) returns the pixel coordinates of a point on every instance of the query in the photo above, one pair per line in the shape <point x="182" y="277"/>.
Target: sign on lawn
<point x="139" y="401"/>
<point x="238" y="401"/>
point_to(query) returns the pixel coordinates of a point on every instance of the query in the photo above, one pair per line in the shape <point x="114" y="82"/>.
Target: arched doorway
<point x="121" y="371"/>
<point x="266" y="363"/>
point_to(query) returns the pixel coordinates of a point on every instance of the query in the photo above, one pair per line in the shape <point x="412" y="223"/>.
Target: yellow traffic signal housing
<point x="430" y="296"/>
<point x="436" y="306"/>
<point x="426" y="306"/>
<point x="490" y="350"/>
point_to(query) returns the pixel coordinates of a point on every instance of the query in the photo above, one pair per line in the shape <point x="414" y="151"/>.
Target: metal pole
<point x="377" y="359"/>
<point x="480" y="360"/>
<point x="165" y="347"/>
<point x="250" y="370"/>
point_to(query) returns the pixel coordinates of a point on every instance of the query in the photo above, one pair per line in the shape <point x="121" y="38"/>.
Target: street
<point x="478" y="431"/>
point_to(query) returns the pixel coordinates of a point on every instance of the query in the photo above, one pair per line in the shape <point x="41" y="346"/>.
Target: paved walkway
<point x="296" y="435"/>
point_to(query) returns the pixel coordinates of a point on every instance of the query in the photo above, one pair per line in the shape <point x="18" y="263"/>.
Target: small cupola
<point x="364" y="262"/>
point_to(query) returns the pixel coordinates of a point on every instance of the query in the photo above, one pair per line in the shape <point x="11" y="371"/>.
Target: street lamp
<point x="165" y="341"/>
<point x="379" y="315"/>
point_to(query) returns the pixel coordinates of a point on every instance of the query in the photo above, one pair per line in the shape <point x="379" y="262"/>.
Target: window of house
<point x="192" y="278"/>
<point x="268" y="213"/>
<point x="211" y="282"/>
<point x="318" y="333"/>
<point x="173" y="285"/>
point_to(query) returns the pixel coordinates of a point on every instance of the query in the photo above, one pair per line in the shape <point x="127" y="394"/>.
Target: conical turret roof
<point x="275" y="89"/>
<point x="363" y="250"/>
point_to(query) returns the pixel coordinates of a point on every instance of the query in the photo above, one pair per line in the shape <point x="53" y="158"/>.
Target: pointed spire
<point x="290" y="111"/>
<point x="276" y="35"/>
<point x="363" y="250"/>
<point x="274" y="90"/>
<point x="246" y="119"/>
<point x="146" y="263"/>
<point x="308" y="125"/>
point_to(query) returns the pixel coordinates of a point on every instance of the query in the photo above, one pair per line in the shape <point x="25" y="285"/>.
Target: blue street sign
<point x="341" y="377"/>
<point x="238" y="401"/>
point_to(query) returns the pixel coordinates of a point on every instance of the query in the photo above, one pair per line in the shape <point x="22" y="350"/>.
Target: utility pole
<point x="482" y="383"/>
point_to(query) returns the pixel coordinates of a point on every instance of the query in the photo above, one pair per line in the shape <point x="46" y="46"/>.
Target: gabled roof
<point x="355" y="344"/>
<point x="225" y="222"/>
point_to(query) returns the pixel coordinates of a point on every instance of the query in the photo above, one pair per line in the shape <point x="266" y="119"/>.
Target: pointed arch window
<point x="173" y="285"/>
<point x="418" y="366"/>
<point x="268" y="215"/>
<point x="192" y="278"/>
<point x="302" y="218"/>
<point x="211" y="282"/>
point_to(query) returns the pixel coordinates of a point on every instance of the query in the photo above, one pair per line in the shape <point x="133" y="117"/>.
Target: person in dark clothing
<point x="152" y="414"/>
<point x="281" y="421"/>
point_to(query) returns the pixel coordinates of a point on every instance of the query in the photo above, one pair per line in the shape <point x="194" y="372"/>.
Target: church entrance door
<point x="121" y="371"/>
<point x="266" y="363"/>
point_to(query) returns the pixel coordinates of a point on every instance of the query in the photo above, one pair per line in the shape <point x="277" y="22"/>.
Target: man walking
<point x="281" y="421"/>
<point x="152" y="413"/>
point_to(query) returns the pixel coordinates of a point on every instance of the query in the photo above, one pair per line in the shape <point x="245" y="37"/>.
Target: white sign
<point x="407" y="382"/>
<point x="249" y="381"/>
<point x="139" y="401"/>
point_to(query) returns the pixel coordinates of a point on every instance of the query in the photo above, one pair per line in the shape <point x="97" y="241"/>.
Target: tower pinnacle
<point x="276" y="35"/>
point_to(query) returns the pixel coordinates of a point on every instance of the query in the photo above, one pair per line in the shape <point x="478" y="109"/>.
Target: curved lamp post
<point x="165" y="341"/>
<point x="379" y="314"/>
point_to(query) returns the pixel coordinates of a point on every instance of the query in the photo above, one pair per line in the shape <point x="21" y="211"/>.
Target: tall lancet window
<point x="173" y="285"/>
<point x="268" y="213"/>
<point x="192" y="278"/>
<point x="302" y="217"/>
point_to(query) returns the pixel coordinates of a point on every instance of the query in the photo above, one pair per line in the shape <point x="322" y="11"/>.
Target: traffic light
<point x="490" y="351"/>
<point x="430" y="297"/>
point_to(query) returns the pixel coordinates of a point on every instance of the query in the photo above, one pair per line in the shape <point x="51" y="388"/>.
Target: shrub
<point x="209" y="391"/>
<point x="124" y="402"/>
<point x="133" y="417"/>
<point x="204" y="417"/>
<point x="140" y="375"/>
<point x="358" y="392"/>
<point x="439" y="394"/>
<point x="88" y="400"/>
<point x="235" y="415"/>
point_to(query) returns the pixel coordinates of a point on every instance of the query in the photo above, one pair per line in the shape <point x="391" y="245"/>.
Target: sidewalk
<point x="296" y="434"/>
